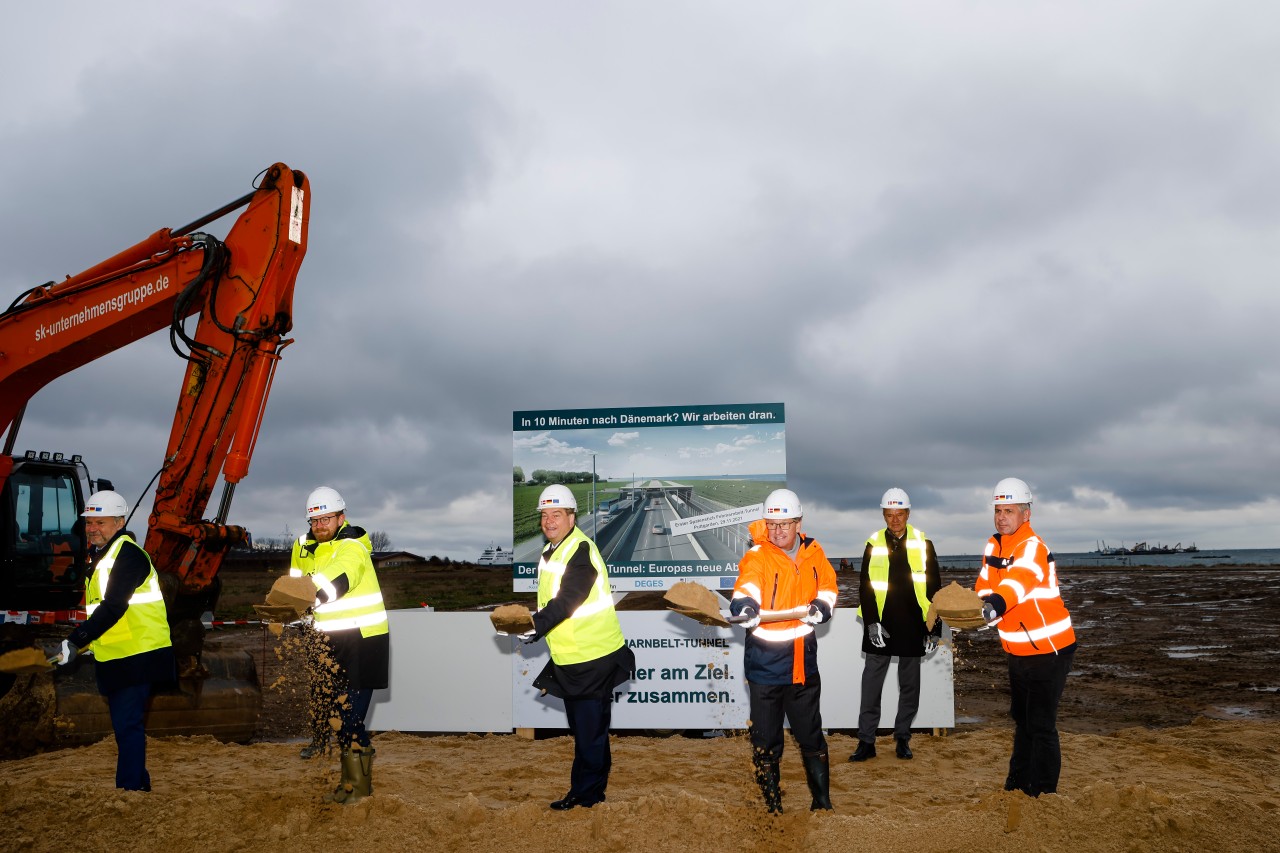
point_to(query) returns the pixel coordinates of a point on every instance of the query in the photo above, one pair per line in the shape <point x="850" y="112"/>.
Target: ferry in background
<point x="1142" y="548"/>
<point x="496" y="556"/>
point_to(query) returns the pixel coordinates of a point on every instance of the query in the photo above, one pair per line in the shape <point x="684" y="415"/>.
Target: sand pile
<point x="958" y="606"/>
<point x="697" y="602"/>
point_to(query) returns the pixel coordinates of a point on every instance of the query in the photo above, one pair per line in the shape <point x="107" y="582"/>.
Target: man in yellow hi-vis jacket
<point x="349" y="612"/>
<point x="127" y="632"/>
<point x="589" y="656"/>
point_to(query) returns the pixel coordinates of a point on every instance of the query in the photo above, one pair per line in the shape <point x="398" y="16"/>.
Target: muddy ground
<point x="1170" y="726"/>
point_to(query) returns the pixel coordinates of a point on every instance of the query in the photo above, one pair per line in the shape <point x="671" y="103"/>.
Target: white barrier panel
<point x="450" y="672"/>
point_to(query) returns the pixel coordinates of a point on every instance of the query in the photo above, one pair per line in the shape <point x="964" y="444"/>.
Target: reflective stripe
<point x="880" y="586"/>
<point x="1025" y="635"/>
<point x="751" y="589"/>
<point x="827" y="596"/>
<point x="365" y="621"/>
<point x="350" y="602"/>
<point x="781" y="635"/>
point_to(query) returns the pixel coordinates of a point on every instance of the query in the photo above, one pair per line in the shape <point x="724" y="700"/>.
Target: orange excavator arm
<point x="241" y="288"/>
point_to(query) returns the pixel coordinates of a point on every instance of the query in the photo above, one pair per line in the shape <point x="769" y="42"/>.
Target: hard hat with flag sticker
<point x="895" y="499"/>
<point x="110" y="504"/>
<point x="782" y="505"/>
<point x="324" y="501"/>
<point x="557" y="496"/>
<point x="1011" y="490"/>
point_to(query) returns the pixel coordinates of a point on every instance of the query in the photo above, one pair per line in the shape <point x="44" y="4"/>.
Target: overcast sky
<point x="958" y="240"/>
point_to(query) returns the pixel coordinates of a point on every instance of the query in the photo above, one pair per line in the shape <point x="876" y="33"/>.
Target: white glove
<point x="878" y="635"/>
<point x="530" y="636"/>
<point x="748" y="618"/>
<point x="814" y="616"/>
<point x="66" y="654"/>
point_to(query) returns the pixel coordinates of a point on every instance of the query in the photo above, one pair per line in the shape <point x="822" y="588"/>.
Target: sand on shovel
<point x="511" y="619"/>
<point x="958" y="606"/>
<point x="25" y="661"/>
<point x="697" y="602"/>
<point x="288" y="599"/>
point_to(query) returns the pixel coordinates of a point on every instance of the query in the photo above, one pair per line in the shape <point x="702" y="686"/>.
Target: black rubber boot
<point x="769" y="778"/>
<point x="817" y="772"/>
<point x="316" y="747"/>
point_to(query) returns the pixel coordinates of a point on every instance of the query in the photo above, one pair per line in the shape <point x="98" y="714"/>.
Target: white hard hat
<point x="557" y="497"/>
<point x="101" y="504"/>
<point x="1011" y="490"/>
<point x="895" y="499"/>
<point x="324" y="500"/>
<point x="782" y="504"/>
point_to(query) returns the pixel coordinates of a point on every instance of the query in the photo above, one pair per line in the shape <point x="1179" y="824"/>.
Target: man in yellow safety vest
<point x="589" y="656"/>
<point x="898" y="580"/>
<point x="127" y="632"/>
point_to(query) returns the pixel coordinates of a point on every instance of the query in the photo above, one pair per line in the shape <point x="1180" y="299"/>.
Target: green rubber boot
<point x="357" y="775"/>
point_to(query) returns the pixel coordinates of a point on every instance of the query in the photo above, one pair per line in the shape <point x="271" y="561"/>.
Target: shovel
<point x="26" y="661"/>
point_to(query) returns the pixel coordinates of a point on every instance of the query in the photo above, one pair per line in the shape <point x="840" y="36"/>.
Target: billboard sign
<point x="666" y="492"/>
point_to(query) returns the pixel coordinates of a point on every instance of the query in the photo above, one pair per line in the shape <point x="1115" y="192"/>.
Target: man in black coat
<point x="899" y="578"/>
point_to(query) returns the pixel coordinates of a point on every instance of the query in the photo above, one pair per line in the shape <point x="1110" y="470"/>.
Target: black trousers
<point x="352" y="714"/>
<point x="1036" y="683"/>
<point x="589" y="725"/>
<point x="799" y="705"/>
<point x="874" y="672"/>
<point x="127" y="707"/>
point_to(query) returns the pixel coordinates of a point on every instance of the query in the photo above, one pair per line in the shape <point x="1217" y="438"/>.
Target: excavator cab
<point x="43" y="555"/>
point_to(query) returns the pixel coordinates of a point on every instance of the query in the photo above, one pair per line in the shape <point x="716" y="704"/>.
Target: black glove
<point x="930" y="644"/>
<point x="993" y="607"/>
<point x="530" y="636"/>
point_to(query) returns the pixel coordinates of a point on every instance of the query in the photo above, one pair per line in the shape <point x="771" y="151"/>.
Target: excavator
<point x="239" y="290"/>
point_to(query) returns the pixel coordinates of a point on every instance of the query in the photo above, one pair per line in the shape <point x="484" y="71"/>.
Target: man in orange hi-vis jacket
<point x="1019" y="589"/>
<point x="785" y="586"/>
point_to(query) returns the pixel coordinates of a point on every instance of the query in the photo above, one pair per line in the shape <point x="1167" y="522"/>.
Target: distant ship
<point x="496" y="556"/>
<point x="1143" y="548"/>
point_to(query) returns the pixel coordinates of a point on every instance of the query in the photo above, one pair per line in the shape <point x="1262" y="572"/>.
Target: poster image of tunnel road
<point x="666" y="492"/>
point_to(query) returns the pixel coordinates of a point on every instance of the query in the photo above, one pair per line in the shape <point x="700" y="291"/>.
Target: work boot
<point x="357" y="775"/>
<point x="817" y="772"/>
<point x="316" y="747"/>
<point x="769" y="777"/>
<point x="864" y="751"/>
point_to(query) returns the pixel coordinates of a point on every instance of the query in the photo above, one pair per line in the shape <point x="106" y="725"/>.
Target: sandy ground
<point x="1171" y="726"/>
<point x="1205" y="787"/>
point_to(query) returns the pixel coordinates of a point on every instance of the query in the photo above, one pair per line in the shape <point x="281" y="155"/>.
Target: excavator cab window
<point x="44" y="555"/>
